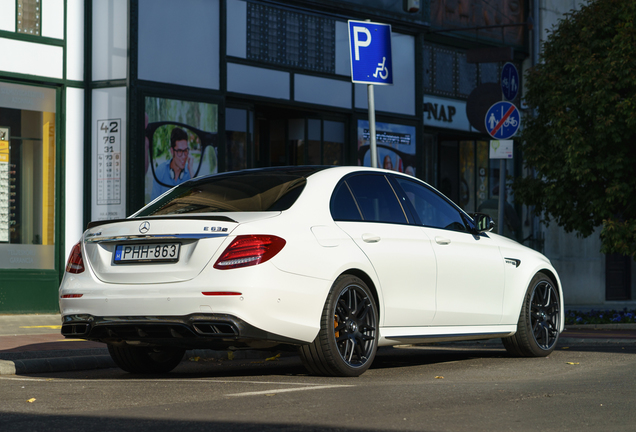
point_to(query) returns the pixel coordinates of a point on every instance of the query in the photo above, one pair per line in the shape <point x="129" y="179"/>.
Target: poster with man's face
<point x="395" y="146"/>
<point x="181" y="143"/>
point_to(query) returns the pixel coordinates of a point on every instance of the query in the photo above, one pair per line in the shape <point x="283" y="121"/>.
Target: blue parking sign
<point x="370" y="49"/>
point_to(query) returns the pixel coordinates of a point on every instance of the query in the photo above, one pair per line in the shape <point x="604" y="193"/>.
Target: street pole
<point x="372" y="135"/>
<point x="502" y="195"/>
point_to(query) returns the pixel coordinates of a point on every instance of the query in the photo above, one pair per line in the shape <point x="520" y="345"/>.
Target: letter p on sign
<point x="357" y="43"/>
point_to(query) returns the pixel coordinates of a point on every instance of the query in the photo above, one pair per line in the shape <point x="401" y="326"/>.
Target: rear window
<point x="245" y="192"/>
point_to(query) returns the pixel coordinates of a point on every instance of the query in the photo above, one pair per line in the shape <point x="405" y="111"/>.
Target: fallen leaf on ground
<point x="31" y="400"/>
<point x="439" y="377"/>
<point x="572" y="363"/>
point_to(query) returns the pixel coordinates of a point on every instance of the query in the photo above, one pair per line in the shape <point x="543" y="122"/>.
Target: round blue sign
<point x="509" y="81"/>
<point x="502" y="120"/>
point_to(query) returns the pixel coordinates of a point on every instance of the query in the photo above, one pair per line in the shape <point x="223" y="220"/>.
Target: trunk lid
<point x="158" y="249"/>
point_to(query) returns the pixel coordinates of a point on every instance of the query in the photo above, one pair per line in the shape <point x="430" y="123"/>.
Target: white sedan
<point x="334" y="261"/>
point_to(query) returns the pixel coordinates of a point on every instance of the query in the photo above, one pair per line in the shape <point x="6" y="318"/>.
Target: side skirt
<point x="411" y="335"/>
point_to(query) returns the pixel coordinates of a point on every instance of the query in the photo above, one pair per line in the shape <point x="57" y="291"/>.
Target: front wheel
<point x="348" y="338"/>
<point x="539" y="320"/>
<point x="144" y="360"/>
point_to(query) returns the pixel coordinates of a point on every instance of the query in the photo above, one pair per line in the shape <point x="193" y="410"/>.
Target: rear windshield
<point x="247" y="192"/>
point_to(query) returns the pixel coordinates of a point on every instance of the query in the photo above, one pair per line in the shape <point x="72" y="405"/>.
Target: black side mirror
<point x="483" y="222"/>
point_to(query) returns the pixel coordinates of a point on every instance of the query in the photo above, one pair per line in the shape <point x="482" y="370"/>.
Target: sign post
<point x="502" y="122"/>
<point x="371" y="63"/>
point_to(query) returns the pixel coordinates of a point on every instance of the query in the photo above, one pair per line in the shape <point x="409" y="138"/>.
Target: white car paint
<point x="431" y="284"/>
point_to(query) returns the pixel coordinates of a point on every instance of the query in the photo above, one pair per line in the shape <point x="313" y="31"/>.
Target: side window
<point x="343" y="207"/>
<point x="433" y="210"/>
<point x="376" y="199"/>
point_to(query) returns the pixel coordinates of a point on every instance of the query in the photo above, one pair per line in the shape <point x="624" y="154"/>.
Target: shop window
<point x="181" y="143"/>
<point x="285" y="138"/>
<point x="395" y="146"/>
<point x="27" y="177"/>
<point x="333" y="148"/>
<point x="237" y="124"/>
<point x="467" y="178"/>
<point x="313" y="141"/>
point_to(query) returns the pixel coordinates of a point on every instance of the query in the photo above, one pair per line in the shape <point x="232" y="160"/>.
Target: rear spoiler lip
<point x="94" y="224"/>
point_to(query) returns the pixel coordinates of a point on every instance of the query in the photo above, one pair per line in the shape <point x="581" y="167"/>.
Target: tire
<point x="348" y="338"/>
<point x="145" y="360"/>
<point x="539" y="320"/>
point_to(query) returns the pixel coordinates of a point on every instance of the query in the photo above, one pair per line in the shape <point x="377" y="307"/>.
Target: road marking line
<point x="276" y="391"/>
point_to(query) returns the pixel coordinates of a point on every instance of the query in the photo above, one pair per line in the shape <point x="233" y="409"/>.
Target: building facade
<point x="96" y="95"/>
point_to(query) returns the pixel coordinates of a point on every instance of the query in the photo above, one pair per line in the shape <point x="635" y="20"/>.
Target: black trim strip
<point x="458" y="336"/>
<point x="94" y="224"/>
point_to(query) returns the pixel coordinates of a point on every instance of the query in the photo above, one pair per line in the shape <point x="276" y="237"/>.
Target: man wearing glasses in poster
<point x="177" y="169"/>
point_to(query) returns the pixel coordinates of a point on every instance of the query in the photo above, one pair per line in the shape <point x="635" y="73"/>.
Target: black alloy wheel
<point x="544" y="314"/>
<point x="348" y="338"/>
<point x="539" y="320"/>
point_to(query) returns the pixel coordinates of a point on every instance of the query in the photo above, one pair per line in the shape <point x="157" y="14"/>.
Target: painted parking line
<point x="276" y="391"/>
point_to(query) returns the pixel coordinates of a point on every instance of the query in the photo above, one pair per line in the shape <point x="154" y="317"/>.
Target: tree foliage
<point x="581" y="141"/>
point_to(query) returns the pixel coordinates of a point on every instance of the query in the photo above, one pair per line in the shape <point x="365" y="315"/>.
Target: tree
<point x="581" y="140"/>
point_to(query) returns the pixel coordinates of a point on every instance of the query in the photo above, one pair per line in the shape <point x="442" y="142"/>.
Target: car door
<point x="366" y="208"/>
<point x="470" y="268"/>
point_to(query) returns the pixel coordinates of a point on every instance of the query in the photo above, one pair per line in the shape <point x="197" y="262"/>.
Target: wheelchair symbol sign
<point x="370" y="49"/>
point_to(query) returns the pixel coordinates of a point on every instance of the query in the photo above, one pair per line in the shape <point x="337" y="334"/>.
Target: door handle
<point x="442" y="240"/>
<point x="370" y="238"/>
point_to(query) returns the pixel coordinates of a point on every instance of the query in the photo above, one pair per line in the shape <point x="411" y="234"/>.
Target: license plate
<point x="148" y="252"/>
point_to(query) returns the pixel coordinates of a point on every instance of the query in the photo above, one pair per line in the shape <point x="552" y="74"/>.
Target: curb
<point x="617" y="326"/>
<point x="55" y="364"/>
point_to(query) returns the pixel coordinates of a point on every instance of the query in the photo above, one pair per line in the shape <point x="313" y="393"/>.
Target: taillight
<point x="249" y="250"/>
<point x="75" y="263"/>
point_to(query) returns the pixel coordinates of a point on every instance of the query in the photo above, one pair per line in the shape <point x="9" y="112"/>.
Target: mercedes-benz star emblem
<point x="144" y="227"/>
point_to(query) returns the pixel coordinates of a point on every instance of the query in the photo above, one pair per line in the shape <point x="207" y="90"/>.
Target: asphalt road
<point x="458" y="388"/>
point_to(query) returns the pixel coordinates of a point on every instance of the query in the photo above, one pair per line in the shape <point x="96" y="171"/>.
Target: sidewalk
<point x="33" y="344"/>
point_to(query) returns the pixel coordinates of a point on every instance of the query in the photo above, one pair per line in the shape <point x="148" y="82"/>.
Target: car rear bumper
<point x="192" y="331"/>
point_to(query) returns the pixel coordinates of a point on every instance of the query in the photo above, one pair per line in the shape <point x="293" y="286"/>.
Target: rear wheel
<point x="135" y="359"/>
<point x="348" y="338"/>
<point x="539" y="321"/>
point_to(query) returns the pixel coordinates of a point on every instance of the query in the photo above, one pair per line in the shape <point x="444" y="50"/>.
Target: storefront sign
<point x="446" y="113"/>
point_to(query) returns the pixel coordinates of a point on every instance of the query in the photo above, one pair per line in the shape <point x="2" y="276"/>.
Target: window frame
<point x="468" y="221"/>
